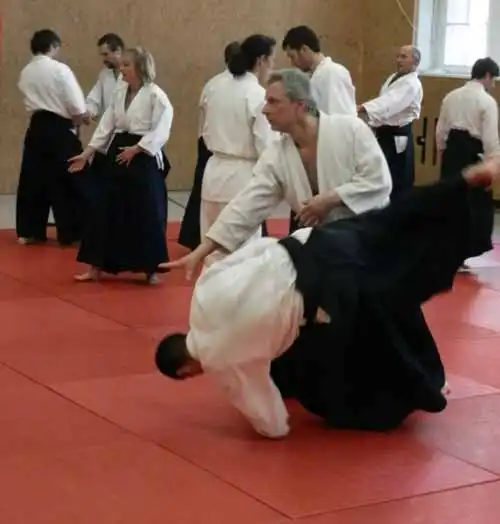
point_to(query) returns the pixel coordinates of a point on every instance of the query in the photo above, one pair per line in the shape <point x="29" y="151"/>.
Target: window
<point x="453" y="34"/>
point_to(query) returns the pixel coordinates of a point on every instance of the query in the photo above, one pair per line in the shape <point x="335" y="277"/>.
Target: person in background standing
<point x="467" y="129"/>
<point x="56" y="105"/>
<point x="126" y="231"/>
<point x="331" y="83"/>
<point x="235" y="129"/>
<point x="189" y="235"/>
<point x="391" y="115"/>
<point x="111" y="47"/>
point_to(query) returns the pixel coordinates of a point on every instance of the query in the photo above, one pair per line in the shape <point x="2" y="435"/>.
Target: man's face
<point x="299" y="58"/>
<point x="111" y="59"/>
<point x="265" y="64"/>
<point x="404" y="60"/>
<point x="281" y="112"/>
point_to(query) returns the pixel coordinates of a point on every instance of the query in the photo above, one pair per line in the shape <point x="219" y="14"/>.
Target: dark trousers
<point x="45" y="182"/>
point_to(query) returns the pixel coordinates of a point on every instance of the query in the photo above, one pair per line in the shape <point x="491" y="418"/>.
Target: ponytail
<point x="238" y="64"/>
<point x="251" y="49"/>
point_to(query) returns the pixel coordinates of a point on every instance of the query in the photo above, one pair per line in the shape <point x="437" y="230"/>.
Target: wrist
<point x="332" y="198"/>
<point x="208" y="246"/>
<point x="89" y="151"/>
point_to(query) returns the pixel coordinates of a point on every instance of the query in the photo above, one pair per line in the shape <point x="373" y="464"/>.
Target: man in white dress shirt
<point x="391" y="115"/>
<point x="326" y="167"/>
<point x="332" y="316"/>
<point x="56" y="105"/>
<point x="111" y="47"/>
<point x="331" y="83"/>
<point x="468" y="128"/>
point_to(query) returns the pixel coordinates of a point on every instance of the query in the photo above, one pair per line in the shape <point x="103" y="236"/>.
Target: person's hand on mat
<point x="316" y="209"/>
<point x="127" y="154"/>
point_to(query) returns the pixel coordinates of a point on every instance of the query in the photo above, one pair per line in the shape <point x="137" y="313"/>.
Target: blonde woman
<point x="126" y="229"/>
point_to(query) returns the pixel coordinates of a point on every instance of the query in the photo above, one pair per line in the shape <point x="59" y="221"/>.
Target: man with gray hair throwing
<point x="327" y="167"/>
<point x="331" y="316"/>
<point x="391" y="115"/>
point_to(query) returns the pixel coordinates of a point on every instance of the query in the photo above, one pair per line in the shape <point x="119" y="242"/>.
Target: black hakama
<point x="401" y="165"/>
<point x="126" y="230"/>
<point x="376" y="362"/>
<point x="45" y="182"/>
<point x="189" y="235"/>
<point x="461" y="151"/>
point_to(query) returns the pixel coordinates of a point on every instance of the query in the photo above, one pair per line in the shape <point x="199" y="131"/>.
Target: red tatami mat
<point x="90" y="433"/>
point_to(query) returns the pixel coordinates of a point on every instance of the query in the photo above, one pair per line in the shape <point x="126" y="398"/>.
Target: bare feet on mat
<point x="92" y="275"/>
<point x="27" y="241"/>
<point x="152" y="280"/>
<point x="446" y="390"/>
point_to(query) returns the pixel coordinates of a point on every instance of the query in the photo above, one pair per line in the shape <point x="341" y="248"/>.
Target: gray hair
<point x="144" y="64"/>
<point x="416" y="55"/>
<point x="297" y="87"/>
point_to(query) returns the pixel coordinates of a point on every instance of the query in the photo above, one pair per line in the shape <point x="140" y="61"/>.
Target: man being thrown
<point x="326" y="167"/>
<point x="365" y="358"/>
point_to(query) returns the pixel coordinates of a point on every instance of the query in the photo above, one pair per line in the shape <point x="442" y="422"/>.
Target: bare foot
<point x="152" y="280"/>
<point x="27" y="241"/>
<point x="92" y="275"/>
<point x="446" y="390"/>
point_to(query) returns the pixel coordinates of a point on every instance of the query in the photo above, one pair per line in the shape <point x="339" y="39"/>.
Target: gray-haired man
<point x="325" y="166"/>
<point x="391" y="115"/>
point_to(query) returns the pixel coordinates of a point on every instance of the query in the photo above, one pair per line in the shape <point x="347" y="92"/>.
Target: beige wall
<point x="384" y="30"/>
<point x="186" y="37"/>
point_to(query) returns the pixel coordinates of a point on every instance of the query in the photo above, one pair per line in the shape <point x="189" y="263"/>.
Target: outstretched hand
<point x="188" y="262"/>
<point x="193" y="260"/>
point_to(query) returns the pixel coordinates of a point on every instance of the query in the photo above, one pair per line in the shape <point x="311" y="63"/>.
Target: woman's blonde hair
<point x="144" y="64"/>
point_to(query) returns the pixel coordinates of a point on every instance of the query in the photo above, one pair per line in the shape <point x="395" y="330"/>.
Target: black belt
<point x="394" y="130"/>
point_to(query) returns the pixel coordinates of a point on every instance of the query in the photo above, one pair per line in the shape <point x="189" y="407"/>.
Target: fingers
<point x="307" y="218"/>
<point x="175" y="264"/>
